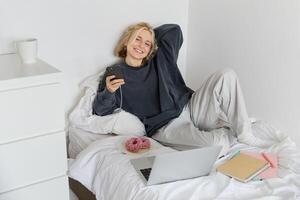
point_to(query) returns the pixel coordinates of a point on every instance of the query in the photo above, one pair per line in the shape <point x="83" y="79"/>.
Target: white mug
<point x="27" y="49"/>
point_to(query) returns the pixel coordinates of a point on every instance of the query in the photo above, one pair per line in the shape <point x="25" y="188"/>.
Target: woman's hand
<point x="113" y="85"/>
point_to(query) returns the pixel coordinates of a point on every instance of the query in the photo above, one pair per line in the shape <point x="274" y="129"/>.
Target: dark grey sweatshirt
<point x="155" y="92"/>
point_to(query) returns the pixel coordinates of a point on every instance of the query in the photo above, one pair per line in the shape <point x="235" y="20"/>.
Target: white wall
<point x="260" y="40"/>
<point x="78" y="36"/>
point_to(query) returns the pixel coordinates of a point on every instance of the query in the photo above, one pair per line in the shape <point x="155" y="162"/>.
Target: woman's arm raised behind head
<point x="169" y="40"/>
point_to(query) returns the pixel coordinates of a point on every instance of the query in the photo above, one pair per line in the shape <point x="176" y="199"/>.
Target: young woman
<point x="154" y="90"/>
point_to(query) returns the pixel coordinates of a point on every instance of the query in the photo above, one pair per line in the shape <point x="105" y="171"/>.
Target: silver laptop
<point x="177" y="165"/>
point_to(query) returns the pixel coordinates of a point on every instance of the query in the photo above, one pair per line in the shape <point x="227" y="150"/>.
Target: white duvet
<point x="107" y="172"/>
<point x="104" y="170"/>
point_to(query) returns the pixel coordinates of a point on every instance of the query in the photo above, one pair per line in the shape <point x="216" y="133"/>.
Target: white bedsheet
<point x="109" y="175"/>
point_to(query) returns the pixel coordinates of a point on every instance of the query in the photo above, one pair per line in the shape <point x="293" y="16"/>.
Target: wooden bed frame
<point x="81" y="192"/>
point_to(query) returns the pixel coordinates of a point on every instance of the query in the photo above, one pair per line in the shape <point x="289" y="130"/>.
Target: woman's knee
<point x="224" y="77"/>
<point x="227" y="74"/>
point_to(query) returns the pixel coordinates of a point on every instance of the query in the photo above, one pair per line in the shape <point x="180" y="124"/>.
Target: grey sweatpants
<point x="218" y="103"/>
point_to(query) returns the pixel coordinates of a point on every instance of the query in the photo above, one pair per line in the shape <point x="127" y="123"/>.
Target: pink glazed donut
<point x="133" y="144"/>
<point x="145" y="143"/>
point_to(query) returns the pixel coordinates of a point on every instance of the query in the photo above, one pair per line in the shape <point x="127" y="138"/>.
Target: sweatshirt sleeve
<point x="105" y="101"/>
<point x="169" y="40"/>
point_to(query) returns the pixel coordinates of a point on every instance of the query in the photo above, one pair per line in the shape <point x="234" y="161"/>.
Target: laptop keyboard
<point x="146" y="172"/>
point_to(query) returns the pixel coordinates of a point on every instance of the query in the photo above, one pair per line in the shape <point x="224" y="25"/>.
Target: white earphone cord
<point x="121" y="100"/>
<point x="118" y="111"/>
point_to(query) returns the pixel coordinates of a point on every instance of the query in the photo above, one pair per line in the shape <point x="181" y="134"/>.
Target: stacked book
<point x="246" y="166"/>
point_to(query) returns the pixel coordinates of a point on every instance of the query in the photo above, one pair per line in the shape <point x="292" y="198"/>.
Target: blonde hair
<point x="121" y="50"/>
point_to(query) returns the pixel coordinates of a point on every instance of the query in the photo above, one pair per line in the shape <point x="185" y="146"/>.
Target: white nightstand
<point x="33" y="158"/>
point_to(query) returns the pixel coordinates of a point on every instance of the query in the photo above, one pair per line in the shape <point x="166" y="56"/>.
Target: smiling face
<point x="138" y="47"/>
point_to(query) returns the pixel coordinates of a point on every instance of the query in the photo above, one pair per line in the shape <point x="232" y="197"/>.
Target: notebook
<point x="271" y="172"/>
<point x="243" y="167"/>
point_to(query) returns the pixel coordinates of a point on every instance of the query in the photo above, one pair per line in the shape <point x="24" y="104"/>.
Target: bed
<point x="100" y="167"/>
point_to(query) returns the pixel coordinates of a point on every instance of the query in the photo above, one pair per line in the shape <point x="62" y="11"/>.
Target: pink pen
<point x="267" y="159"/>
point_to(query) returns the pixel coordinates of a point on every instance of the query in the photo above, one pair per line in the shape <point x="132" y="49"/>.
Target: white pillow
<point x="80" y="139"/>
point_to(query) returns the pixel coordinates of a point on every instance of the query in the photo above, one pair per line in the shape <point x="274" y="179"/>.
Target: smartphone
<point x="115" y="70"/>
